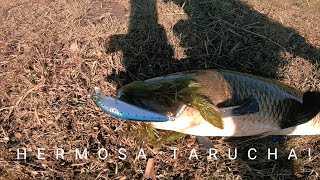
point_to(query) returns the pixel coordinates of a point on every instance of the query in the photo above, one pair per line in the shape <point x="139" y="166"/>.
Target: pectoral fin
<point x="248" y="107"/>
<point x="208" y="111"/>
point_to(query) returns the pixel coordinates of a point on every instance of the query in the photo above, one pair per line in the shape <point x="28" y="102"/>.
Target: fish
<point x="224" y="103"/>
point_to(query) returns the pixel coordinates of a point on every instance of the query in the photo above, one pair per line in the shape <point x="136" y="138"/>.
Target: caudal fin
<point x="309" y="108"/>
<point x="311" y="100"/>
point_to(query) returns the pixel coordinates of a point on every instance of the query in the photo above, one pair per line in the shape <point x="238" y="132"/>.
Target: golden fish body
<point x="279" y="106"/>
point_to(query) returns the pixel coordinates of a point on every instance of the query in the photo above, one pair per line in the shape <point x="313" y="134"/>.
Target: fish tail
<point x="311" y="101"/>
<point x="309" y="109"/>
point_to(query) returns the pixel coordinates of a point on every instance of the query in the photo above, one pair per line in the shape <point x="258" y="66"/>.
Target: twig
<point x="149" y="173"/>
<point x="4" y="133"/>
<point x="19" y="101"/>
<point x="248" y="31"/>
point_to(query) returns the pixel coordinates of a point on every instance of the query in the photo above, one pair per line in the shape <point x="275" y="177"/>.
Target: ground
<point x="52" y="54"/>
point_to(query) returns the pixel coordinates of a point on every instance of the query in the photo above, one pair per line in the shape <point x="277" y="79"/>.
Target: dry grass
<point x="52" y="53"/>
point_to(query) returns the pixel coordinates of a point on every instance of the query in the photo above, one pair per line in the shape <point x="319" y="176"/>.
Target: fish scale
<point x="278" y="104"/>
<point x="269" y="96"/>
<point x="249" y="105"/>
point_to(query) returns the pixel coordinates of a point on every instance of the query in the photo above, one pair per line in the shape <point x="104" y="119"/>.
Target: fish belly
<point x="312" y="127"/>
<point x="277" y="104"/>
<point x="191" y="122"/>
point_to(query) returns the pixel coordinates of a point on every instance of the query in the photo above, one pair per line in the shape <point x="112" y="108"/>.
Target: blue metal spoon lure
<point x="124" y="110"/>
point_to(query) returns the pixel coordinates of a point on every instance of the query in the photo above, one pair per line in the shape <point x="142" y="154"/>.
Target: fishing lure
<point x="124" y="110"/>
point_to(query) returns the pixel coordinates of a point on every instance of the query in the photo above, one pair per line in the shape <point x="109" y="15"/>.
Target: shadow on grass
<point x="217" y="34"/>
<point x="146" y="51"/>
